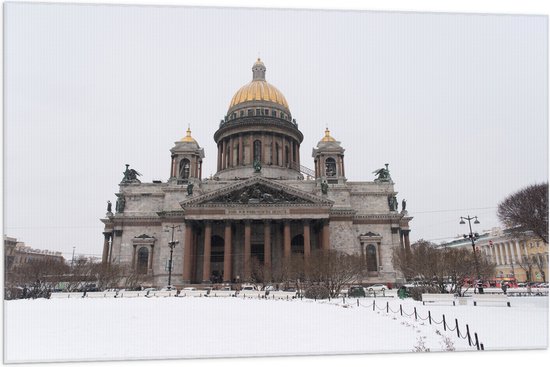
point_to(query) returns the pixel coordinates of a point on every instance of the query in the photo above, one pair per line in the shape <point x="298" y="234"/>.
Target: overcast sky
<point x="456" y="104"/>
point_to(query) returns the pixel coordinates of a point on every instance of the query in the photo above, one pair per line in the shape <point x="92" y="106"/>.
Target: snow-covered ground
<point x="171" y="328"/>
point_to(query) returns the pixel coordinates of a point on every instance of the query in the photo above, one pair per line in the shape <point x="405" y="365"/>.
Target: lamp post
<point x="473" y="237"/>
<point x="72" y="260"/>
<point x="171" y="244"/>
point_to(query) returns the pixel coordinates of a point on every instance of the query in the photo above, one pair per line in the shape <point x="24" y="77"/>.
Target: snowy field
<point x="173" y="328"/>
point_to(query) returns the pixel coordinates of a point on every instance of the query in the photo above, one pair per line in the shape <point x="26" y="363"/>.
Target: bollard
<point x="444" y="323"/>
<point x="482" y="347"/>
<point x="430" y="316"/>
<point x="415" y="314"/>
<point x="477" y="341"/>
<point x="357" y="302"/>
<point x="344" y="300"/>
<point x="373" y="305"/>
<point x="457" y="331"/>
<point x="387" y="307"/>
<point x="468" y="334"/>
<point x="401" y="309"/>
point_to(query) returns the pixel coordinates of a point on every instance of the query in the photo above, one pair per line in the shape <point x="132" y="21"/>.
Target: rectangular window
<point x="250" y="112"/>
<point x="242" y="113"/>
<point x="274" y="113"/>
<point x="257" y="112"/>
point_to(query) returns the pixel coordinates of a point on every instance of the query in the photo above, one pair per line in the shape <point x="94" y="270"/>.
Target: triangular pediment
<point x="256" y="191"/>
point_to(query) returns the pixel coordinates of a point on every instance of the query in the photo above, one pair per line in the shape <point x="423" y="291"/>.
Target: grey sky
<point x="456" y="104"/>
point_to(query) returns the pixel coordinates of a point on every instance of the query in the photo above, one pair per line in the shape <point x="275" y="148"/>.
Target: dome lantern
<point x="258" y="70"/>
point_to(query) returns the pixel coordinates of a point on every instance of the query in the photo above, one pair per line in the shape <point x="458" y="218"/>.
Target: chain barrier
<point x="443" y="322"/>
<point x="387" y="308"/>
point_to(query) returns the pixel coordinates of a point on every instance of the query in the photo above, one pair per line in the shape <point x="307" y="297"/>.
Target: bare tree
<point x="448" y="269"/>
<point x="36" y="278"/>
<point x="541" y="262"/>
<point x="334" y="269"/>
<point x="526" y="210"/>
<point x="527" y="264"/>
<point x="110" y="276"/>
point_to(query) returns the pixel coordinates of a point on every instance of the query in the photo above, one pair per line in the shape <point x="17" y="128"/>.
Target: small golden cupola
<point x="188" y="138"/>
<point x="327" y="136"/>
<point x="329" y="160"/>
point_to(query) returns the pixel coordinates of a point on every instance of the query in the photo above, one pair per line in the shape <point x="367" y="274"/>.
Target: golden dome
<point x="258" y="89"/>
<point x="188" y="138"/>
<point x="327" y="136"/>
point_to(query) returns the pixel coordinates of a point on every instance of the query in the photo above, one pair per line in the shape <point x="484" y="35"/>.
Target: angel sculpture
<point x="383" y="174"/>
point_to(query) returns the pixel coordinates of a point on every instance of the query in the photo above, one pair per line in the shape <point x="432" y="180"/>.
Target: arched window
<point x="184" y="168"/>
<point x="257" y="150"/>
<point x="143" y="260"/>
<point x="330" y="167"/>
<point x="372" y="263"/>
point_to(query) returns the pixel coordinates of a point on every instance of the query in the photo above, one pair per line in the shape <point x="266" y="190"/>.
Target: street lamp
<point x="171" y="244"/>
<point x="473" y="237"/>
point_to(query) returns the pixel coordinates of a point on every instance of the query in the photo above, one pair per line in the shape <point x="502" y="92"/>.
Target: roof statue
<point x="130" y="175"/>
<point x="383" y="174"/>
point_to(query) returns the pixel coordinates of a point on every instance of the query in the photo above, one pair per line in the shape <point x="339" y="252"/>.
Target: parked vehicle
<point x="377" y="288"/>
<point x="356" y="291"/>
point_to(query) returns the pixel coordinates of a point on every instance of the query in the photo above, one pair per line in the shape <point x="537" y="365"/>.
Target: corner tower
<point x="187" y="158"/>
<point x="258" y="135"/>
<point x="329" y="160"/>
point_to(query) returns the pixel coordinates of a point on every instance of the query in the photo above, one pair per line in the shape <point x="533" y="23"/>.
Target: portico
<point x="253" y="219"/>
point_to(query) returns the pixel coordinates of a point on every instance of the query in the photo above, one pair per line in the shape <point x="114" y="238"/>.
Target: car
<point x="377" y="288"/>
<point x="356" y="291"/>
<point x="249" y="287"/>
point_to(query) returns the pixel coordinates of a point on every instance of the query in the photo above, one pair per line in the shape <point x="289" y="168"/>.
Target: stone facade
<point x="261" y="203"/>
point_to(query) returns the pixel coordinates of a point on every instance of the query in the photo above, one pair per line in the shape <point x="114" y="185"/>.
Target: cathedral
<point x="262" y="204"/>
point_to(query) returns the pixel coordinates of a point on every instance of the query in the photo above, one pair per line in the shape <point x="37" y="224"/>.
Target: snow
<point x="97" y="329"/>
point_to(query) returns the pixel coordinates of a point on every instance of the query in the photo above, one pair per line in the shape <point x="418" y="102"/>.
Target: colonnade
<point x="231" y="152"/>
<point x="192" y="229"/>
<point x="504" y="253"/>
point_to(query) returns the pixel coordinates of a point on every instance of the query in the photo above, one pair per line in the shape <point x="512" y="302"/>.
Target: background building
<point x="17" y="253"/>
<point x="516" y="259"/>
<point x="261" y="204"/>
